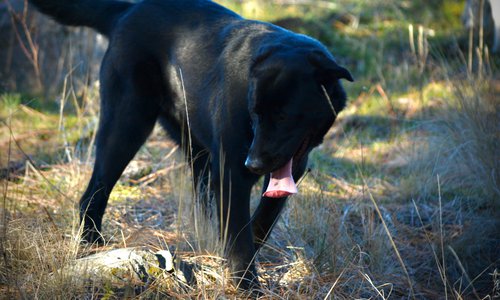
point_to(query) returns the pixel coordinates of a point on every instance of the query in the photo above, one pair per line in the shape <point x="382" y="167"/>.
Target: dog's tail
<point x="100" y="15"/>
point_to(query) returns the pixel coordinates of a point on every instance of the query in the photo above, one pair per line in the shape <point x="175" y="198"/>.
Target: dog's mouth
<point x="281" y="183"/>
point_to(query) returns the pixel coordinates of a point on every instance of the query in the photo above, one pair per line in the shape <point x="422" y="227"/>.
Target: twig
<point x="152" y="176"/>
<point x="481" y="37"/>
<point x="49" y="216"/>
<point x="33" y="112"/>
<point x="441" y="239"/>
<point x="32" y="52"/>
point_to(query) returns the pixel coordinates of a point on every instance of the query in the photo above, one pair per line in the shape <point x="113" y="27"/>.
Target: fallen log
<point x="131" y="267"/>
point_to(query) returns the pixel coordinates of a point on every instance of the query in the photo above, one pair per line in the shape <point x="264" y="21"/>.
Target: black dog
<point x="247" y="98"/>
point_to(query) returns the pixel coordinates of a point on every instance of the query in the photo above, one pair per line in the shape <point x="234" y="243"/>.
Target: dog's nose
<point x="255" y="165"/>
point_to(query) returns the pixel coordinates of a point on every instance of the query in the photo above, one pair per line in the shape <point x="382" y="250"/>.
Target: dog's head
<point x="295" y="95"/>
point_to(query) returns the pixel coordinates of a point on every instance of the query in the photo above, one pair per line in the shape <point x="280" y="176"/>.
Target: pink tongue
<point x="281" y="183"/>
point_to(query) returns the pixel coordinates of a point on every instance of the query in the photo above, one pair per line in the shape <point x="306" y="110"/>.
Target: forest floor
<point x="401" y="201"/>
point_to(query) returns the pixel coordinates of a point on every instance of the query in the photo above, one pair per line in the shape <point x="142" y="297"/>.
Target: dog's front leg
<point x="266" y="216"/>
<point x="232" y="194"/>
<point x="267" y="213"/>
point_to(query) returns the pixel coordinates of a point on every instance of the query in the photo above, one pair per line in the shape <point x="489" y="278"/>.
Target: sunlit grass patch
<point x="51" y="189"/>
<point x="26" y="130"/>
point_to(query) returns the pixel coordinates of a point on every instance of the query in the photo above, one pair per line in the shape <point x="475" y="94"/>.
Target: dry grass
<point x="322" y="247"/>
<point x="330" y="243"/>
<point x="461" y="145"/>
<point x="426" y="226"/>
<point x="402" y="201"/>
<point x="473" y="129"/>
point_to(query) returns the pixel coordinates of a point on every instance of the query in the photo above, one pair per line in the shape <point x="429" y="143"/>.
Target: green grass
<point x="401" y="200"/>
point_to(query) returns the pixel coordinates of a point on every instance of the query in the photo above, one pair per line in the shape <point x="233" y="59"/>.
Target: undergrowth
<point x="402" y="199"/>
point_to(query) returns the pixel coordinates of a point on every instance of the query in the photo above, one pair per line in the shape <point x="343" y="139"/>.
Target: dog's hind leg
<point x="269" y="209"/>
<point x="126" y="121"/>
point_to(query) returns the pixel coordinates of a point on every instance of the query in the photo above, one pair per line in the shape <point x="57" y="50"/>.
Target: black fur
<point x="100" y="15"/>
<point x="254" y="97"/>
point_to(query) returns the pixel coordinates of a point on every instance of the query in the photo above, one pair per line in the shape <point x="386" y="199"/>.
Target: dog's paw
<point x="92" y="237"/>
<point x="248" y="283"/>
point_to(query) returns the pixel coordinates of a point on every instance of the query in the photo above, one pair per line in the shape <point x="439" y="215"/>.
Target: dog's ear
<point x="327" y="69"/>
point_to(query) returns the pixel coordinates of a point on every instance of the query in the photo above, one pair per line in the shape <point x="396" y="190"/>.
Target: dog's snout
<point x="255" y="165"/>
